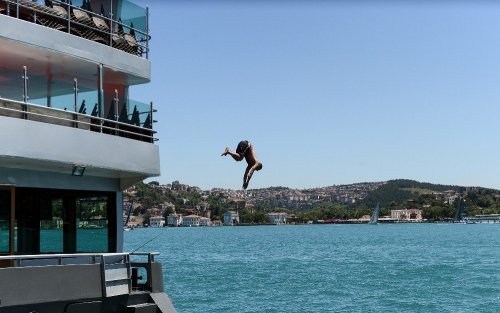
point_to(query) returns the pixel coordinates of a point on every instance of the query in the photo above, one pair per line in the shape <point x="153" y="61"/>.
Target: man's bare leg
<point x="246" y="177"/>
<point x="256" y="167"/>
<point x="249" y="172"/>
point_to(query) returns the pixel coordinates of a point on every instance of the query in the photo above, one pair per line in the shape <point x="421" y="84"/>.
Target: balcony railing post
<point x="75" y="81"/>
<point x="111" y="23"/>
<point x="100" y="92"/>
<point x="147" y="32"/>
<point x="69" y="17"/>
<point x="25" y="91"/>
<point x="17" y="8"/>
<point x="116" y="111"/>
<point x="151" y="112"/>
<point x="75" y="89"/>
<point x="25" y="84"/>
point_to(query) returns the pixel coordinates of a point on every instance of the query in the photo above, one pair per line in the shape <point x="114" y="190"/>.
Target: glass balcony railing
<point x="135" y="120"/>
<point x="120" y="24"/>
<point x="110" y="114"/>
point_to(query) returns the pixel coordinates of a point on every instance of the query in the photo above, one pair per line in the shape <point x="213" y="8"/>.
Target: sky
<point x="328" y="92"/>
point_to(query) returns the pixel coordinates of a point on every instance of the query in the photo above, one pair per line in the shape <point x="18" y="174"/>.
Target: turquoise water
<point x="329" y="268"/>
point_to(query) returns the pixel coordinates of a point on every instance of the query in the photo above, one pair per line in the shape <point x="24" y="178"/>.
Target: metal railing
<point x="58" y="259"/>
<point x="22" y="110"/>
<point x="139" y="282"/>
<point x="96" y="258"/>
<point x="83" y="22"/>
<point x="104" y="260"/>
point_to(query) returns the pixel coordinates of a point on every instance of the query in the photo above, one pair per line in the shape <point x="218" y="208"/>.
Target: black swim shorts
<point x="242" y="147"/>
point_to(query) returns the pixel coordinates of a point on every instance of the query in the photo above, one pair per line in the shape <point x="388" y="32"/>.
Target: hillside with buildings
<point x="178" y="204"/>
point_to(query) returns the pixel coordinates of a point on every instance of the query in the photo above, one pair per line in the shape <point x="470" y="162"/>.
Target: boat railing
<point x="141" y="267"/>
<point x="82" y="21"/>
<point x="61" y="259"/>
<point x="121" y="273"/>
<point x="23" y="110"/>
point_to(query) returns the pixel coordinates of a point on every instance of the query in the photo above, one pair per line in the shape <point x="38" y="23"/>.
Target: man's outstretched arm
<point x="236" y="156"/>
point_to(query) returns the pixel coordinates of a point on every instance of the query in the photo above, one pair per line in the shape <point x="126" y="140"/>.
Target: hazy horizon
<point x="314" y="187"/>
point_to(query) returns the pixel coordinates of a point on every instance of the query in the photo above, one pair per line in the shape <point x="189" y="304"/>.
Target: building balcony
<point x="136" y="125"/>
<point x="55" y="142"/>
<point x="118" y="24"/>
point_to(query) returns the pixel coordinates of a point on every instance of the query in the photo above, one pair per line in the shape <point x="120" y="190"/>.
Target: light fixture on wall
<point x="78" y="170"/>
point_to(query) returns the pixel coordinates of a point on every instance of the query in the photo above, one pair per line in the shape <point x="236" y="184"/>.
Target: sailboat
<point x="376" y="213"/>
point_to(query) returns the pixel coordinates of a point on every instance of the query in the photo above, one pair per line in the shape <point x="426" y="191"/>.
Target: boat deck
<point x="21" y="110"/>
<point x="80" y="21"/>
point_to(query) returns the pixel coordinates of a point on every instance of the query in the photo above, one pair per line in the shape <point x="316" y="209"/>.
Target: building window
<point x="92" y="224"/>
<point x="4" y="221"/>
<point x="51" y="225"/>
<point x="59" y="221"/>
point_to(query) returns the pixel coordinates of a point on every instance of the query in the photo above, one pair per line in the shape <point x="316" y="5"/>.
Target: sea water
<point x="328" y="268"/>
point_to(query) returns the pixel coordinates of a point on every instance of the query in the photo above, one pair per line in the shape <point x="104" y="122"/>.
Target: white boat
<point x="73" y="140"/>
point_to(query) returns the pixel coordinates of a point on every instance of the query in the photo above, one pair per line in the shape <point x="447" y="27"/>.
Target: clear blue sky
<point x="329" y="92"/>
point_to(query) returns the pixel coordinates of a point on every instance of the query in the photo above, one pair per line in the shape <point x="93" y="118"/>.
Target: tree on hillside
<point x="145" y="219"/>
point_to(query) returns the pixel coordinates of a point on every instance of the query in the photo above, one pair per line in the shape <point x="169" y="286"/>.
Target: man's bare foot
<point x="226" y="151"/>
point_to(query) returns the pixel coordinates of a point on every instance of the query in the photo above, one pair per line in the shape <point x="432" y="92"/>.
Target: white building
<point x="174" y="220"/>
<point x="157" y="221"/>
<point x="450" y="199"/>
<point x="205" y="221"/>
<point x="231" y="218"/>
<point x="191" y="221"/>
<point x="277" y="218"/>
<point x="412" y="215"/>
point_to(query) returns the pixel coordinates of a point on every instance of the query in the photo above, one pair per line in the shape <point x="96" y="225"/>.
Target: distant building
<point x="191" y="221"/>
<point x="174" y="220"/>
<point x="217" y="223"/>
<point x="178" y="186"/>
<point x="205" y="221"/>
<point x="413" y="215"/>
<point x="157" y="221"/>
<point x="277" y="218"/>
<point x="450" y="199"/>
<point x="194" y="189"/>
<point x="483" y="219"/>
<point x="231" y="218"/>
<point x="293" y="219"/>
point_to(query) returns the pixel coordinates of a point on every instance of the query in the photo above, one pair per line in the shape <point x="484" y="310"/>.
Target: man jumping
<point x="245" y="150"/>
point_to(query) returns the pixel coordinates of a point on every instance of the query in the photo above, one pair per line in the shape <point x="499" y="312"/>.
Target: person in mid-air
<point x="245" y="150"/>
